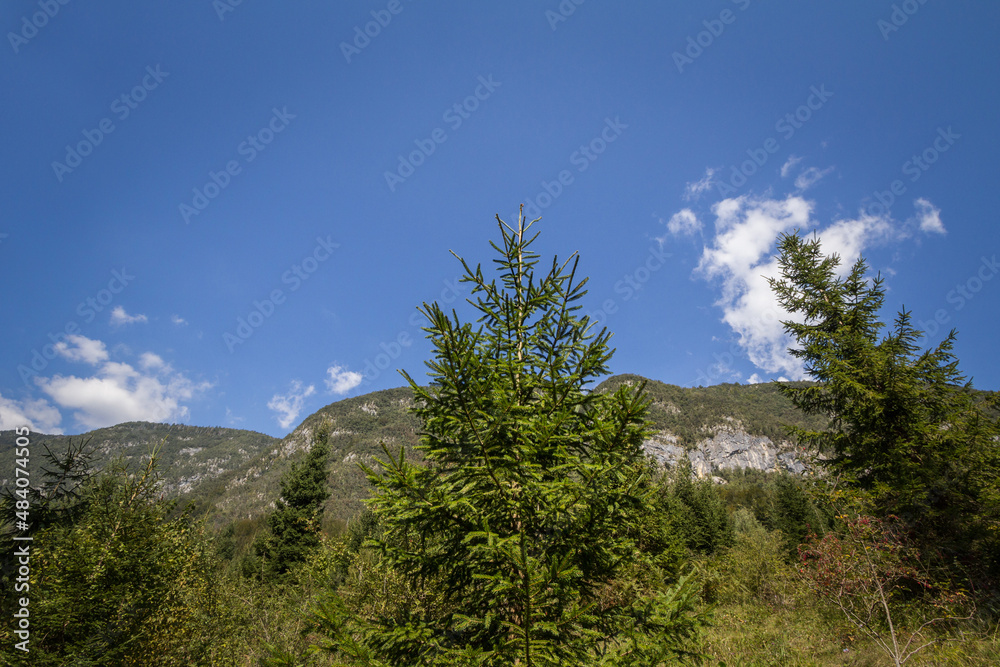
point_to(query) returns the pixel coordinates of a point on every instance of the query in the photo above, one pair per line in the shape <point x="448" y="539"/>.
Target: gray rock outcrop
<point x="728" y="449"/>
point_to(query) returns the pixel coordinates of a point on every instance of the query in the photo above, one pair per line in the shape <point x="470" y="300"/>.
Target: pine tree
<point x="295" y="522"/>
<point x="122" y="579"/>
<point x="704" y="522"/>
<point x="795" y="515"/>
<point x="57" y="501"/>
<point x="905" y="427"/>
<point x="511" y="532"/>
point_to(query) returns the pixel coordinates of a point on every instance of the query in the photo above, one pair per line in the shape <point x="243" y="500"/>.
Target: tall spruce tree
<point x="905" y="427"/>
<point x="295" y="522"/>
<point x="511" y="532"/>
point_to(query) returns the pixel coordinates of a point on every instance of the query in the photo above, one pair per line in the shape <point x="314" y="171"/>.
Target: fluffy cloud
<point x="149" y="361"/>
<point x="683" y="223"/>
<point x="929" y="217"/>
<point x="117" y="392"/>
<point x="290" y="405"/>
<point x="81" y="348"/>
<point x="757" y="379"/>
<point x="741" y="257"/>
<point x="120" y="317"/>
<point x="849" y="238"/>
<point x="342" y="380"/>
<point x="37" y="414"/>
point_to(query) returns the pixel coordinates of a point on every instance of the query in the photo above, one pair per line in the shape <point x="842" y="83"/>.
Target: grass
<point x="802" y="632"/>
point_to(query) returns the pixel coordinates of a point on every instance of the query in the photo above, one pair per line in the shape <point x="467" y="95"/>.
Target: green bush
<point x="754" y="568"/>
<point x="122" y="582"/>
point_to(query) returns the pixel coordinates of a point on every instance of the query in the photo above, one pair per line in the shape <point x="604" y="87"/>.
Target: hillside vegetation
<point x="507" y="514"/>
<point x="189" y="455"/>
<point x="691" y="414"/>
<point x="231" y="474"/>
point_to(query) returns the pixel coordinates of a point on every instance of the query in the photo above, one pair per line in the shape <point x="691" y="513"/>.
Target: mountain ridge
<point x="233" y="474"/>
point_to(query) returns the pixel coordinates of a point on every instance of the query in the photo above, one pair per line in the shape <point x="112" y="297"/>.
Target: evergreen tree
<point x="117" y="581"/>
<point x="704" y="522"/>
<point x="795" y="515"/>
<point x="661" y="534"/>
<point x="510" y="534"/>
<point x="905" y="427"/>
<point x="57" y="501"/>
<point x="295" y="522"/>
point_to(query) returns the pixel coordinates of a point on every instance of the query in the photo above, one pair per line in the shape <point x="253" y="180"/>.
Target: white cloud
<point x="148" y="360"/>
<point x="289" y="406"/>
<point x="848" y="238"/>
<point x="789" y="163"/>
<point x="684" y="222"/>
<point x="178" y="320"/>
<point x="757" y="379"/>
<point x="695" y="189"/>
<point x="741" y="257"/>
<point x="810" y="177"/>
<point x="120" y="317"/>
<point x="37" y="414"/>
<point x="342" y="380"/>
<point x="117" y="392"/>
<point x="82" y="349"/>
<point x="929" y="217"/>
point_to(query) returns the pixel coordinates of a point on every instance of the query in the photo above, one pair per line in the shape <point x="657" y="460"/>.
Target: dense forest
<point x="505" y="514"/>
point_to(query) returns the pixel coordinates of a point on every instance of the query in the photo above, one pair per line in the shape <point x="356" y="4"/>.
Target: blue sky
<point x="221" y="214"/>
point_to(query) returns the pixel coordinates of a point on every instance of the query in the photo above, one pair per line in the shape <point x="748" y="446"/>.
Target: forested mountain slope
<point x="189" y="455"/>
<point x="750" y="417"/>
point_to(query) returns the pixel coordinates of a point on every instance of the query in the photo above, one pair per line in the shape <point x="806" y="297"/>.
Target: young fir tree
<point x="704" y="522"/>
<point x="57" y="501"/>
<point x="295" y="522"/>
<point x="511" y="533"/>
<point x="905" y="427"/>
<point x="120" y="580"/>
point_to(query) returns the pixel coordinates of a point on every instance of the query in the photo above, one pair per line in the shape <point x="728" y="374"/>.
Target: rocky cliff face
<point x="730" y="447"/>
